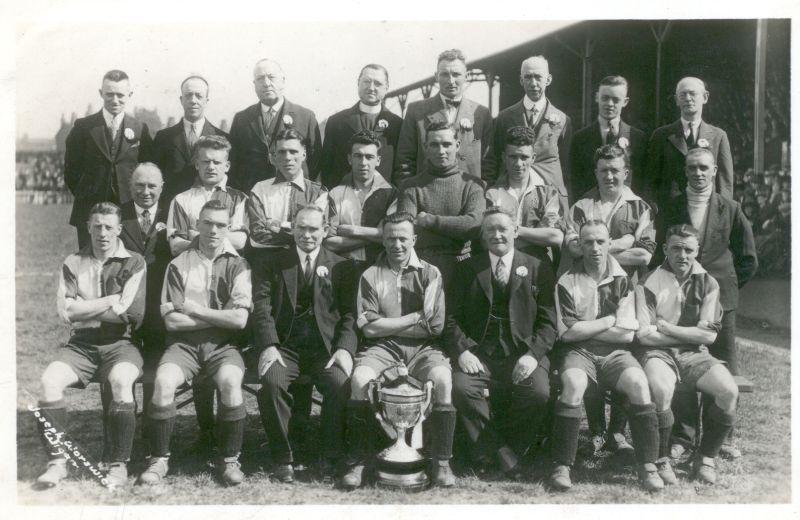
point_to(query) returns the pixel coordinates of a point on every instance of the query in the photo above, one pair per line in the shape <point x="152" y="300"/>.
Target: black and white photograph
<point x="398" y="259"/>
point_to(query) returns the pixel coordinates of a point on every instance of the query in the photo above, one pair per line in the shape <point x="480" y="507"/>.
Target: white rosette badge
<point x="382" y="124"/>
<point x="702" y="143"/>
<point x="129" y="135"/>
<point x="288" y="120"/>
<point x="623" y="143"/>
<point x="521" y="271"/>
<point x="465" y="124"/>
<point x="322" y="271"/>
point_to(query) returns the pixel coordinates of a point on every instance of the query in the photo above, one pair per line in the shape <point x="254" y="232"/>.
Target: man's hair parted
<point x="614" y="81"/>
<point x="594" y="222"/>
<point x="683" y="231"/>
<point x="609" y="152"/>
<point x="398" y="218"/>
<point x="699" y="150"/>
<point x="451" y="55"/>
<point x="214" y="205"/>
<point x="363" y="137"/>
<point x="290" y="134"/>
<point x="104" y="208"/>
<point x="212" y="142"/>
<point x="115" y="75"/>
<point x="310" y="208"/>
<point x="438" y="126"/>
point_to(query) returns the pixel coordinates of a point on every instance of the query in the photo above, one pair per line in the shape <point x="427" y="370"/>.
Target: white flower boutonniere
<point x="322" y="271"/>
<point x="622" y="143"/>
<point x="383" y="124"/>
<point x="160" y="226"/>
<point x="465" y="124"/>
<point x="129" y="135"/>
<point x="288" y="120"/>
<point x="702" y="143"/>
<point x="522" y="271"/>
<point x="553" y="119"/>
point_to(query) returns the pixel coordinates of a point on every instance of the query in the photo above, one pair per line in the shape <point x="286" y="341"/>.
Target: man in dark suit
<point x="253" y="130"/>
<point x="303" y="323"/>
<point x="728" y="253"/>
<point x="101" y="152"/>
<point x="472" y="121"/>
<point x="668" y="146"/>
<point x="173" y="146"/>
<point x="552" y="127"/>
<point x="611" y="97"/>
<point x="144" y="231"/>
<point x="500" y="327"/>
<point x="368" y="114"/>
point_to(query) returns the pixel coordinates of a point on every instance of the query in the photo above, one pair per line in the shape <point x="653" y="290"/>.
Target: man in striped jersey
<point x="211" y="159"/>
<point x="679" y="315"/>
<point x="400" y="312"/>
<point x="101" y="296"/>
<point x="596" y="321"/>
<point x="205" y="301"/>
<point x="360" y="202"/>
<point x="630" y="223"/>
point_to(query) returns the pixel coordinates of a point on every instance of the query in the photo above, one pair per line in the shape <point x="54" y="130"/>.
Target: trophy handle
<point x="373" y="389"/>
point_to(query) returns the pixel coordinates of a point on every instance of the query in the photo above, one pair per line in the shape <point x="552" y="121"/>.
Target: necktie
<point x="146" y="222"/>
<point x="192" y="137"/>
<point x="114" y="129"/>
<point x="690" y="139"/>
<point x="611" y="136"/>
<point x="532" y="114"/>
<point x="307" y="269"/>
<point x="501" y="273"/>
<point x="268" y="117"/>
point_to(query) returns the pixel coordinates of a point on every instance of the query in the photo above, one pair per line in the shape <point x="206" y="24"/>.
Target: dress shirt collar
<point x="198" y="126"/>
<point x="109" y="119"/>
<point x="540" y="105"/>
<point x="507" y="259"/>
<point x="685" y="126"/>
<point x="140" y="209"/>
<point x="274" y="108"/>
<point x="370" y="109"/>
<point x="445" y="98"/>
<point x="605" y="124"/>
<point x="302" y="256"/>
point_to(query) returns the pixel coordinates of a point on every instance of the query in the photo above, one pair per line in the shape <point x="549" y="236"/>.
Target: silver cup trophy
<point x="400" y="403"/>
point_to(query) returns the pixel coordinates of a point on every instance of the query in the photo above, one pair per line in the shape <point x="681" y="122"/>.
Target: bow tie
<point x="452" y="102"/>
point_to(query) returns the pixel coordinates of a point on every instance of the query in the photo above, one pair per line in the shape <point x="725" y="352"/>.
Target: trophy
<point x="400" y="404"/>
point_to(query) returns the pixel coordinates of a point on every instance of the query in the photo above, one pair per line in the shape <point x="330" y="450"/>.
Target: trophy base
<point x="402" y="476"/>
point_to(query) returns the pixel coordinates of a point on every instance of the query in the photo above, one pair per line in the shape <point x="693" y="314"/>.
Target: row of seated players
<point x="399" y="310"/>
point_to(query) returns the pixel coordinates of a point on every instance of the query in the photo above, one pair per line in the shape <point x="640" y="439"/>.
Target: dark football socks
<point x="717" y="423"/>
<point x="121" y="427"/>
<point x="359" y="432"/>
<point x="55" y="413"/>
<point x="665" y="422"/>
<point x="644" y="431"/>
<point x="566" y="424"/>
<point x="443" y="425"/>
<point x="162" y="420"/>
<point x="230" y="429"/>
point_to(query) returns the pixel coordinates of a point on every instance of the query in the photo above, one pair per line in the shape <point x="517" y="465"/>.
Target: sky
<point x="61" y="64"/>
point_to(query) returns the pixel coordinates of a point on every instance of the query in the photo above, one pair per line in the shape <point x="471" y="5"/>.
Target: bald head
<point x="269" y="81"/>
<point x="146" y="185"/>
<point x="538" y="62"/>
<point x="690" y="96"/>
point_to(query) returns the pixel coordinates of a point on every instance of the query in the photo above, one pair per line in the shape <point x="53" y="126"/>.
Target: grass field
<point x="44" y="238"/>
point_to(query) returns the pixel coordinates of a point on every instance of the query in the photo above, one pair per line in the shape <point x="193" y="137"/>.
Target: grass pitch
<point x="44" y="238"/>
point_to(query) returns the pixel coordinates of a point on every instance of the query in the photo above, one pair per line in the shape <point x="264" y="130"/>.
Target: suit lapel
<point x="179" y="140"/>
<point x="287" y="109"/>
<point x="597" y="136"/>
<point x="484" y="269"/>
<point x="436" y="110"/>
<point x="353" y="119"/>
<point x="544" y="115"/>
<point x="289" y="272"/>
<point x="130" y="225"/>
<point x="513" y="279"/>
<point x="625" y="130"/>
<point x="256" y="123"/>
<point x="712" y="222"/>
<point x="677" y="139"/>
<point x="98" y="133"/>
<point x="148" y="242"/>
<point x="124" y="143"/>
<point x="703" y="131"/>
